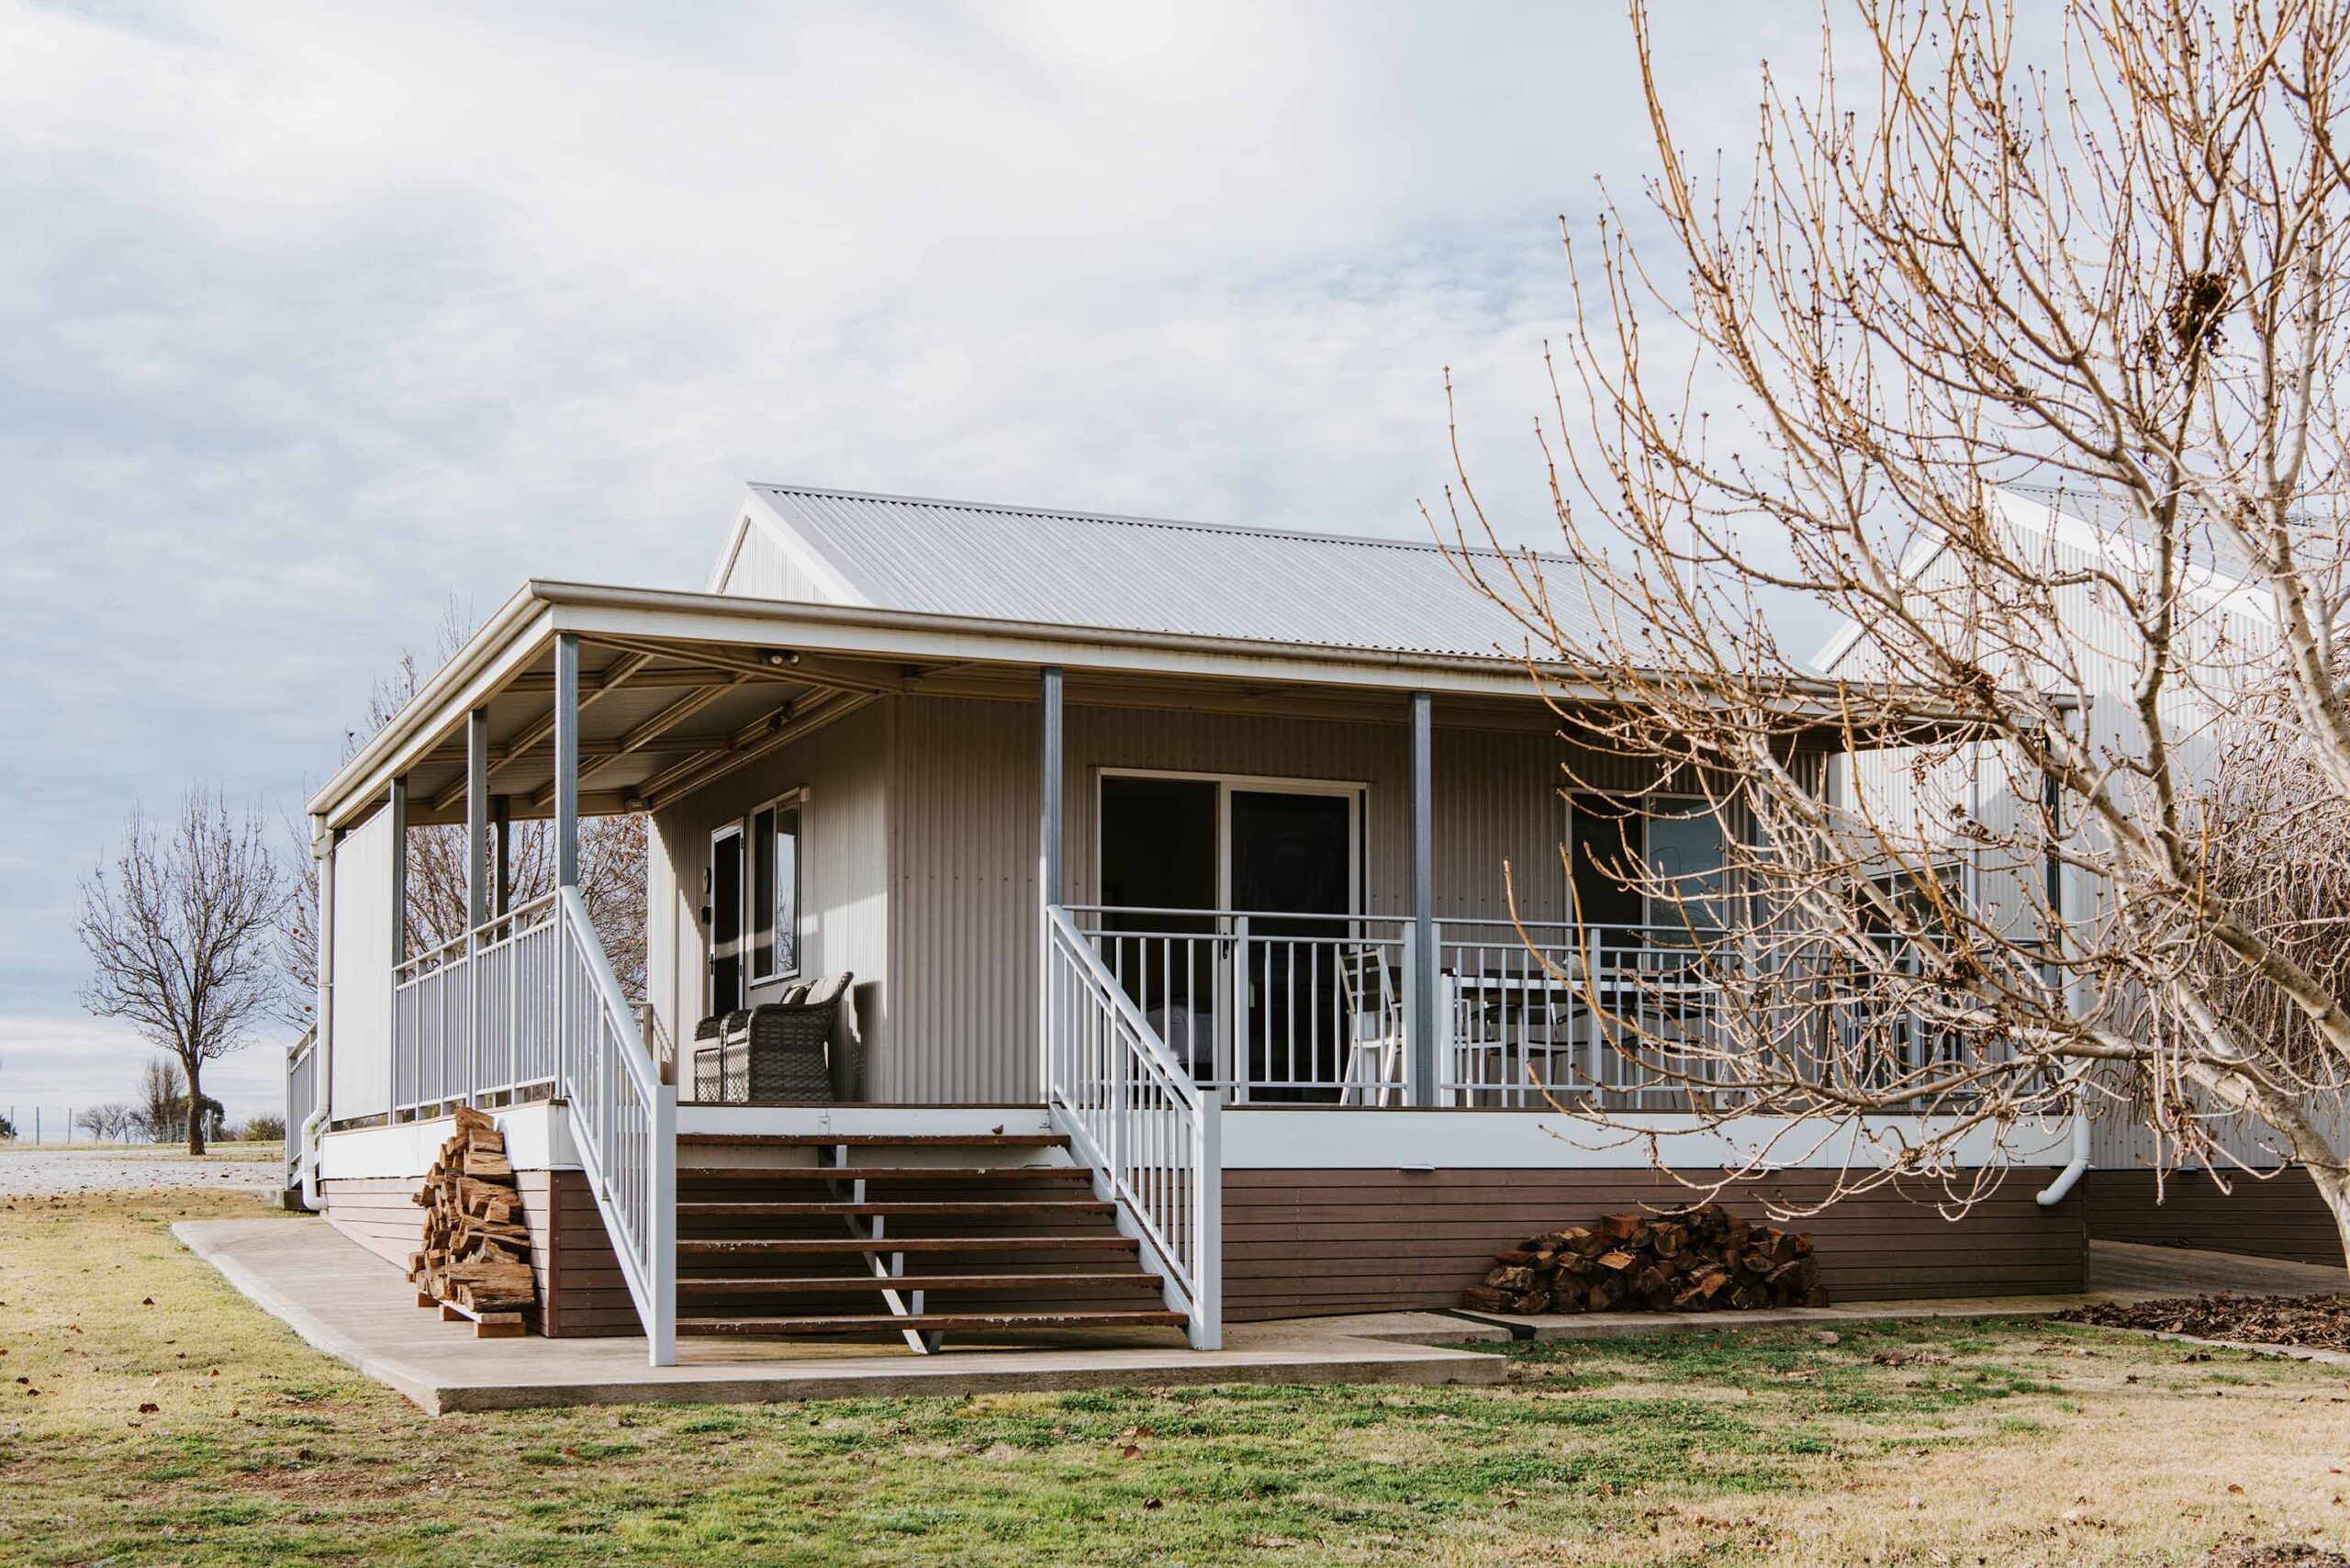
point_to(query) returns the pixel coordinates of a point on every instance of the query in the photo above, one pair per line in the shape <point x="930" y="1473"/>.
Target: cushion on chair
<point x="828" y="991"/>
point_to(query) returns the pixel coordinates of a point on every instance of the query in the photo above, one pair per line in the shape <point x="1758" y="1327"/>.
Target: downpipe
<point x="2048" y="1197"/>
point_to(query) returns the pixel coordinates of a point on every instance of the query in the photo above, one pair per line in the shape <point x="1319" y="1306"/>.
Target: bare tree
<point x="105" y="1123"/>
<point x="179" y="931"/>
<point x="2120" y="270"/>
<point x="612" y="863"/>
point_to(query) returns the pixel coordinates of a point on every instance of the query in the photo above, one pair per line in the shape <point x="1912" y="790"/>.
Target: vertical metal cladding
<point x="963" y="850"/>
<point x="962" y="858"/>
<point x="845" y="770"/>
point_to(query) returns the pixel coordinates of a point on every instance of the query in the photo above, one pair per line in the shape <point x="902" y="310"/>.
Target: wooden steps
<point x="995" y="1242"/>
<point x="752" y="1175"/>
<point x="787" y="1246"/>
<point x="818" y="1284"/>
<point x="904" y="1208"/>
<point x="935" y="1322"/>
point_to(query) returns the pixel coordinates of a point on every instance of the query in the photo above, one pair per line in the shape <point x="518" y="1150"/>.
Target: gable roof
<point x="1136" y="573"/>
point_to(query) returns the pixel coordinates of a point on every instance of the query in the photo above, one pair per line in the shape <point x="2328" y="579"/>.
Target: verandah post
<point x="476" y="887"/>
<point x="1048" y="859"/>
<point x="396" y="810"/>
<point x="1420" y="1023"/>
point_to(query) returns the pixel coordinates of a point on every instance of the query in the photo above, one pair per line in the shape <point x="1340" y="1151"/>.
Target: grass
<point x="196" y="1430"/>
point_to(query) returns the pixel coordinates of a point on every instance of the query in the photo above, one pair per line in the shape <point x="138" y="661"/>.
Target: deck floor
<point x="351" y="1304"/>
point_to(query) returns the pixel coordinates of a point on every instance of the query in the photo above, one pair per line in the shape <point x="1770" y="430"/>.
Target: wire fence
<point x="54" y="1125"/>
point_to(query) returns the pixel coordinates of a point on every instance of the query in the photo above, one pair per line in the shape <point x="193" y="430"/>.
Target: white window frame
<point x="793" y="799"/>
<point x="1356" y="792"/>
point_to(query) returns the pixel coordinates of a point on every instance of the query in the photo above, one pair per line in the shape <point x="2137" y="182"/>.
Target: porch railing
<point x="526" y="1006"/>
<point x="301" y="1099"/>
<point x="1134" y="1114"/>
<point x="1281" y="1006"/>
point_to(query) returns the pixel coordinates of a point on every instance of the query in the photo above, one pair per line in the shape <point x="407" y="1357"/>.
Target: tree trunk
<point x="2333" y="1183"/>
<point x="194" y="1107"/>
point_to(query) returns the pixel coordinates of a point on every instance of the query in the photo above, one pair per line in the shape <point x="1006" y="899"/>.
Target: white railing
<point x="624" y="1121"/>
<point x="1281" y="1006"/>
<point x="1552" y="1009"/>
<point x="526" y="1006"/>
<point x="301" y="1099"/>
<point x="1131" y="1112"/>
<point x="473" y="1020"/>
<point x="1267" y="1006"/>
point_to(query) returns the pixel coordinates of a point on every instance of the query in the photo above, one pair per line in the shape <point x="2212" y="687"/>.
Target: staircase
<point x="781" y="1235"/>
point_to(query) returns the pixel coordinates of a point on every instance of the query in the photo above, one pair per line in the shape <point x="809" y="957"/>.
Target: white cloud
<point x="312" y="317"/>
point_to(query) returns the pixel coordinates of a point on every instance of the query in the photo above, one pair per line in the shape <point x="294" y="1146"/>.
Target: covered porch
<point x="1119" y="882"/>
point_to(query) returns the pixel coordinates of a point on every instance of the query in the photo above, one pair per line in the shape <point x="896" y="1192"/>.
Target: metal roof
<point x="1137" y="574"/>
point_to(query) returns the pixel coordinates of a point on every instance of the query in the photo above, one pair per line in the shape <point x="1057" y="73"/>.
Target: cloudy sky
<point x="315" y="317"/>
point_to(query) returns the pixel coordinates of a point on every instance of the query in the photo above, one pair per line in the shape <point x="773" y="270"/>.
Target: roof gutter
<point x="1830" y="697"/>
<point x="542" y="606"/>
<point x="510" y="623"/>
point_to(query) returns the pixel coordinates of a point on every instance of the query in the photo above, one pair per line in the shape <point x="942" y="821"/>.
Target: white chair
<point x="1372" y="1004"/>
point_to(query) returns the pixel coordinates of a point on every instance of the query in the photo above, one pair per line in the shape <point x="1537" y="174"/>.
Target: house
<point x="1169" y="864"/>
<point x="2227" y="622"/>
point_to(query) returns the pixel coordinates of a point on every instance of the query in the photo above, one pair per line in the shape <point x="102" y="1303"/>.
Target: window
<point x="1677" y="843"/>
<point x="774" y="890"/>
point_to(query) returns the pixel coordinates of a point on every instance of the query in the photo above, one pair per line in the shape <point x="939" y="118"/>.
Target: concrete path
<point x="354" y="1306"/>
<point x="2117" y="1271"/>
<point x="350" y="1303"/>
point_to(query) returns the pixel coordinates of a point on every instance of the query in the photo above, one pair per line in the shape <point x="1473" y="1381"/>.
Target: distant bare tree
<point x="107" y="1122"/>
<point x="611" y="862"/>
<point x="179" y="930"/>
<point x="2124" y="271"/>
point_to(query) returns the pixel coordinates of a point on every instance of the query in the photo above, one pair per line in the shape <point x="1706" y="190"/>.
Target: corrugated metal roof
<point x="1152" y="575"/>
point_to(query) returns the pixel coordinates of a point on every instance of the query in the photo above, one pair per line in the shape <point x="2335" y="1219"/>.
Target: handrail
<point x="1131" y="1112"/>
<point x="623" y="1119"/>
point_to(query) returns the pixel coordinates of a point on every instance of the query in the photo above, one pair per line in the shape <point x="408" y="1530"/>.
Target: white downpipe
<point x="323" y="1051"/>
<point x="2048" y="1197"/>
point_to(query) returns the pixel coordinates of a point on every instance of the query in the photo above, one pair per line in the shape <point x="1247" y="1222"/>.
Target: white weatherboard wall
<point x="361" y="1084"/>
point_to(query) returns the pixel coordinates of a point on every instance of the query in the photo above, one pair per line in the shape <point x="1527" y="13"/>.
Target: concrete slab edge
<point x="313" y="1330"/>
<point x="436" y="1398"/>
<point x="1469" y="1369"/>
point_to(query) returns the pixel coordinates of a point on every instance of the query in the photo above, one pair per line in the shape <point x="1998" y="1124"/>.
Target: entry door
<point x="1293" y="852"/>
<point x="1160" y="859"/>
<point x="723" y="918"/>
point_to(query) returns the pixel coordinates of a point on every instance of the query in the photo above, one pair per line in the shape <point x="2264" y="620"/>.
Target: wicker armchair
<point x="720" y="1063"/>
<point x="791" y="1043"/>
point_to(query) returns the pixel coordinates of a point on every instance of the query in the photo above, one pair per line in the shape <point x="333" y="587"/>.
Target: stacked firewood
<point x="1704" y="1260"/>
<point x="476" y="1253"/>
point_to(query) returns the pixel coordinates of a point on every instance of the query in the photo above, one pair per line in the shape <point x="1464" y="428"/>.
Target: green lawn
<point x="1996" y="1443"/>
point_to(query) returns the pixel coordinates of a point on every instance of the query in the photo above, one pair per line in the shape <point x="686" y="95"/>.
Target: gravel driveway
<point x="54" y="1170"/>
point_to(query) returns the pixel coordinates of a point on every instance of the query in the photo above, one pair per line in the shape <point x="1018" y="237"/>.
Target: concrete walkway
<point x="351" y="1304"/>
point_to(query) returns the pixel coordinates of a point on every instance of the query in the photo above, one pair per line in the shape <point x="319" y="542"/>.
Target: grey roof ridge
<point x="1379" y="542"/>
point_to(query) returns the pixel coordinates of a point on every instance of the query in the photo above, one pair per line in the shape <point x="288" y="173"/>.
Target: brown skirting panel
<point x="2281" y="1216"/>
<point x="580" y="1288"/>
<point x="379" y="1213"/>
<point x="1298" y="1243"/>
